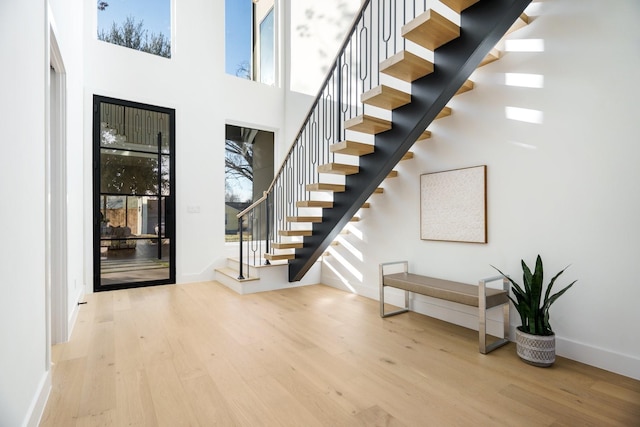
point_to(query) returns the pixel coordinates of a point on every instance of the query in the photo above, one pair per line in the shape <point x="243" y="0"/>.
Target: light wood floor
<point x="200" y="355"/>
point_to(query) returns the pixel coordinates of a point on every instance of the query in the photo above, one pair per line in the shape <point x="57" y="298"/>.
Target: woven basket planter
<point x="537" y="350"/>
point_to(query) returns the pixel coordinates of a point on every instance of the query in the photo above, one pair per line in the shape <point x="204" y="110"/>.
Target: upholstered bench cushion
<point x="444" y="289"/>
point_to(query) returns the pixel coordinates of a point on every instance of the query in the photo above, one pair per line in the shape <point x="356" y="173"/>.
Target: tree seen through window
<point x="144" y="25"/>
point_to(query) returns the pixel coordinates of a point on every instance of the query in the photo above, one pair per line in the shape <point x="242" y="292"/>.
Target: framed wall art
<point x="453" y="205"/>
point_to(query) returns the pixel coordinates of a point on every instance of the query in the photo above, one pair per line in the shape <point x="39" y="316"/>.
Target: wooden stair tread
<point x="466" y="87"/>
<point x="446" y="111"/>
<point x="522" y="21"/>
<point x="367" y="124"/>
<point x="392" y="174"/>
<point x="314" y="204"/>
<point x="352" y="148"/>
<point x="365" y="205"/>
<point x="430" y="30"/>
<point x="304" y="219"/>
<point x="295" y="232"/>
<point x="233" y="274"/>
<point x="459" y="5"/>
<point x="378" y="190"/>
<point x="336" y="188"/>
<point x="287" y="245"/>
<point x="386" y="97"/>
<point x="407" y="156"/>
<point x="494" y="55"/>
<point x="406" y="66"/>
<point x="338" y="169"/>
<point x="279" y="257"/>
<point x="424" y="135"/>
<point x="355" y="219"/>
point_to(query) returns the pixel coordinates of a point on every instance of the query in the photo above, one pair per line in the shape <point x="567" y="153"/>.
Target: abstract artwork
<point x="453" y="205"/>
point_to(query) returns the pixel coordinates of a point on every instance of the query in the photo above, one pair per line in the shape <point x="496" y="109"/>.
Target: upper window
<point x="266" y="71"/>
<point x="143" y="25"/>
<point x="237" y="36"/>
<point x="250" y="40"/>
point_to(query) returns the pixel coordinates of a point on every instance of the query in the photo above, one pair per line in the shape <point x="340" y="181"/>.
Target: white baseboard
<point x="205" y="275"/>
<point x="331" y="279"/>
<point x="73" y="316"/>
<point x="623" y="364"/>
<point x="458" y="314"/>
<point x="36" y="409"/>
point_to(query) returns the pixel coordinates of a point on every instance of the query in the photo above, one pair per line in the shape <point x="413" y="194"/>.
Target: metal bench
<point x="479" y="296"/>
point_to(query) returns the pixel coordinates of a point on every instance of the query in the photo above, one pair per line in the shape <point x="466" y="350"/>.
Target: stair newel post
<point x="240" y="276"/>
<point x="268" y="229"/>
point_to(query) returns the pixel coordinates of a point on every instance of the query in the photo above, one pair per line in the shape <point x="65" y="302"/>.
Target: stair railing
<point x="374" y="37"/>
<point x="255" y="218"/>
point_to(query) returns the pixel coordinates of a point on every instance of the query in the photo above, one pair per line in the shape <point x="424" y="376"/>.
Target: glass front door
<point x="134" y="231"/>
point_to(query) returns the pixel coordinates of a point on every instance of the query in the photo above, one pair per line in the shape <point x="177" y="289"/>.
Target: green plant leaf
<point x="513" y="283"/>
<point x="547" y="326"/>
<point x="527" y="299"/>
<point x="546" y="296"/>
<point x="537" y="279"/>
<point x="557" y="295"/>
<point x="520" y="309"/>
<point x="536" y="295"/>
<point x="527" y="277"/>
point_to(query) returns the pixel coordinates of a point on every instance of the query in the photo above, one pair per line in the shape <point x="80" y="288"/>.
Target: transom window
<point x="144" y="25"/>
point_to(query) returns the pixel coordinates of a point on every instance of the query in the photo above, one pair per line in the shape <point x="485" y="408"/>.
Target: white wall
<point x="23" y="370"/>
<point x="67" y="22"/>
<point x="24" y="34"/>
<point x="564" y="188"/>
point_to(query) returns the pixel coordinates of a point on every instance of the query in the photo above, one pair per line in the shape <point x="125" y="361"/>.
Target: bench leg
<point x="381" y="283"/>
<point x="393" y="313"/>
<point x="505" y="321"/>
<point x="484" y="348"/>
<point x="482" y="326"/>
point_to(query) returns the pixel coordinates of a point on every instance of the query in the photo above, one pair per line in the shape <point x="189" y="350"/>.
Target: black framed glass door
<point x="133" y="209"/>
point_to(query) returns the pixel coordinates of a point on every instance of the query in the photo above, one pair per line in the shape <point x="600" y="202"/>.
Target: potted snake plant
<point x="535" y="340"/>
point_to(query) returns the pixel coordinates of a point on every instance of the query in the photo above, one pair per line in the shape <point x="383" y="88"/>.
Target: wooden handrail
<point x="253" y="205"/>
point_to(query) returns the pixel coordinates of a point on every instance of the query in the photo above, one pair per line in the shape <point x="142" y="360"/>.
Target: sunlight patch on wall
<point x="348" y="246"/>
<point x="524" y="145"/>
<point x="343" y="279"/>
<point x="524" y="45"/>
<point x="524" y="115"/>
<point x="524" y="80"/>
<point x="355" y="231"/>
<point x="346" y="264"/>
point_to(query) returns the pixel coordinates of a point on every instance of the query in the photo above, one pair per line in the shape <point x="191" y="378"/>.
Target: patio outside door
<point x="134" y="230"/>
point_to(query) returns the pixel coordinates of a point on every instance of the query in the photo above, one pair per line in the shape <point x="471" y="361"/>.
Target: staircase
<point x="383" y="92"/>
